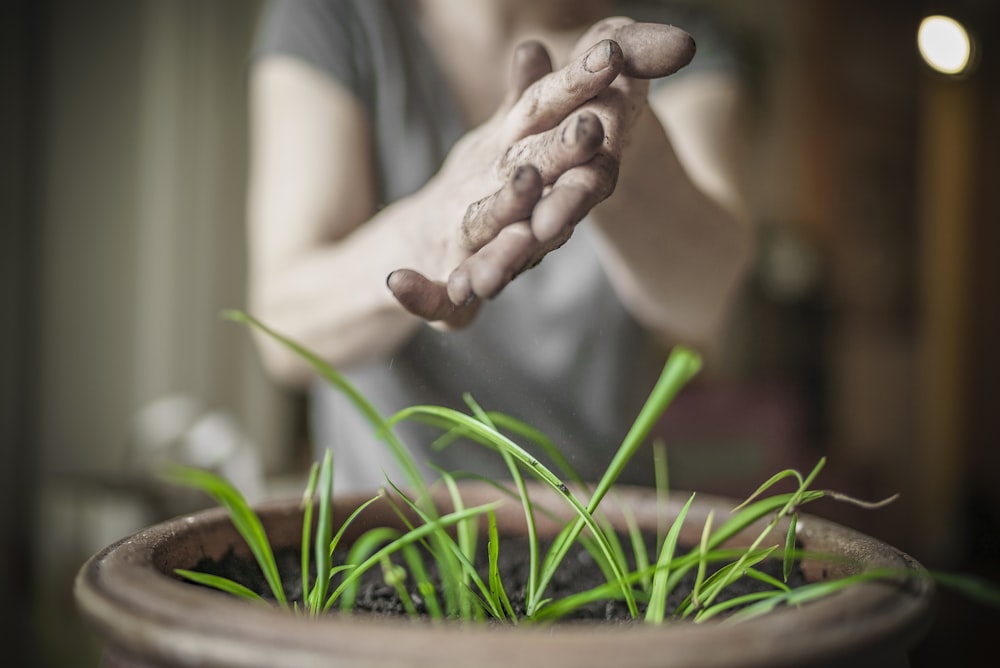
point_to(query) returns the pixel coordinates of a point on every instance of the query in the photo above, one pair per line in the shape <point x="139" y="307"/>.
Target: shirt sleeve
<point x="323" y="33"/>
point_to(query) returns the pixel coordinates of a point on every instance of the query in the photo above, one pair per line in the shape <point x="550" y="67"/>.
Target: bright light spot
<point x="944" y="44"/>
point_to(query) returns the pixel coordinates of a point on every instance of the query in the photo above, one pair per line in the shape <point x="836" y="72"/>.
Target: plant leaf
<point x="788" y="558"/>
<point x="308" y="499"/>
<point x="367" y="409"/>
<point x="551" y="450"/>
<point x="324" y="529"/>
<point x="222" y="584"/>
<point x="656" y="610"/>
<point x="773" y="480"/>
<point x="244" y="518"/>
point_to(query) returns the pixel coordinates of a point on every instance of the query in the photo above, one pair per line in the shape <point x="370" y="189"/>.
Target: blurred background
<point x="867" y="332"/>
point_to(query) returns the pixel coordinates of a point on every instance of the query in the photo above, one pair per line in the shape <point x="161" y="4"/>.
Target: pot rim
<point x="137" y="608"/>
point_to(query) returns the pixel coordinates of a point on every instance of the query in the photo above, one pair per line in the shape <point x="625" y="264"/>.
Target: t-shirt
<point x="555" y="349"/>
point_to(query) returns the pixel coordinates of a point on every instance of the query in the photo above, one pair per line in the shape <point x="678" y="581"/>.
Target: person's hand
<point x="559" y="133"/>
<point x="502" y="168"/>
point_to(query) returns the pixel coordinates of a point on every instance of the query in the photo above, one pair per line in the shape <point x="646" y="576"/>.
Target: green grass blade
<point x="767" y="579"/>
<point x="455" y="565"/>
<point x="771" y="482"/>
<point x="498" y="595"/>
<point x="335" y="541"/>
<point x="601" y="561"/>
<point x="656" y="610"/>
<point x="682" y="365"/>
<point x="482" y="432"/>
<point x="661" y="477"/>
<point x="222" y="584"/>
<point x="455" y="577"/>
<point x="639" y="551"/>
<point x="702" y="560"/>
<point x="609" y="530"/>
<point x="742" y="519"/>
<point x="811" y="478"/>
<point x="245" y="520"/>
<point x="366" y="408"/>
<point x="735" y="602"/>
<point x="729" y="574"/>
<point x="324" y="529"/>
<point x="972" y="587"/>
<point x="415" y="535"/>
<point x="531" y="533"/>
<point x="308" y="501"/>
<point x="539" y="438"/>
<point x="792" y="502"/>
<point x="366" y="545"/>
<point x="812" y="592"/>
<point x="426" y="588"/>
<point x="465" y="532"/>
<point x="788" y="559"/>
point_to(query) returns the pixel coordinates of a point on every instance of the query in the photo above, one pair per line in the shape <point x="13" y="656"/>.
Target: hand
<point x="563" y="131"/>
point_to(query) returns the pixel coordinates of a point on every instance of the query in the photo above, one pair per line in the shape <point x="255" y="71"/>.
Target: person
<point x="487" y="197"/>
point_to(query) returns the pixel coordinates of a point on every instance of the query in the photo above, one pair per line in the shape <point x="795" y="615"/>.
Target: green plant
<point x="449" y="541"/>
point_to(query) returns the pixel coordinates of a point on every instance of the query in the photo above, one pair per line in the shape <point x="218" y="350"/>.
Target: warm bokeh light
<point x="944" y="44"/>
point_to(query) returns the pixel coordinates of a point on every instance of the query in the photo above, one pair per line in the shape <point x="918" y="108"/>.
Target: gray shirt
<point x="556" y="348"/>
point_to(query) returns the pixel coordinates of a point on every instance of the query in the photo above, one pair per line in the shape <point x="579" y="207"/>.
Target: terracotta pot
<point x="147" y="617"/>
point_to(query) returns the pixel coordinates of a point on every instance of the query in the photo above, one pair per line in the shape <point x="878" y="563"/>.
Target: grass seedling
<point x="656" y="610"/>
<point x="450" y="540"/>
<point x="247" y="523"/>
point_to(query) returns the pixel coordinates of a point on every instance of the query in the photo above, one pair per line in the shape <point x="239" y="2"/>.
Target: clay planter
<point x="146" y="617"/>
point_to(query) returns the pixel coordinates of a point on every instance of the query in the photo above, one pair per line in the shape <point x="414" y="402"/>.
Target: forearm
<point x="332" y="296"/>
<point x="675" y="253"/>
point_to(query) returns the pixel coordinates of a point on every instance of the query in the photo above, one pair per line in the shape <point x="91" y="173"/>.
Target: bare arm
<point x="676" y="237"/>
<point x="311" y="188"/>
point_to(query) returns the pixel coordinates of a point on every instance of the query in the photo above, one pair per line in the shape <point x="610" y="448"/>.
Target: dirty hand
<point x="559" y="134"/>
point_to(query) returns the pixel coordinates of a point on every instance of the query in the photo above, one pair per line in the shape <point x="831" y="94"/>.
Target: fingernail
<point x="599" y="57"/>
<point x="460" y="288"/>
<point x="582" y="130"/>
<point x="527" y="181"/>
<point x="393" y="279"/>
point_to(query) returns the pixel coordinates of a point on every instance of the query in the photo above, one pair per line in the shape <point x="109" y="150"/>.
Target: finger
<point x="617" y="108"/>
<point x="531" y="62"/>
<point x="485" y="274"/>
<point x="575" y="141"/>
<point x="582" y="187"/>
<point x="572" y="197"/>
<point x="545" y="103"/>
<point x="650" y="50"/>
<point x="654" y="50"/>
<point x="513" y="202"/>
<point x="429" y="299"/>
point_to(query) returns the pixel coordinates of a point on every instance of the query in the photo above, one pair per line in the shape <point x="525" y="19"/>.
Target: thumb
<point x="651" y="50"/>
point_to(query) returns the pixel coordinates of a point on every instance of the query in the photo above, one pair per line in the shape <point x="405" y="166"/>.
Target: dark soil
<point x="577" y="573"/>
